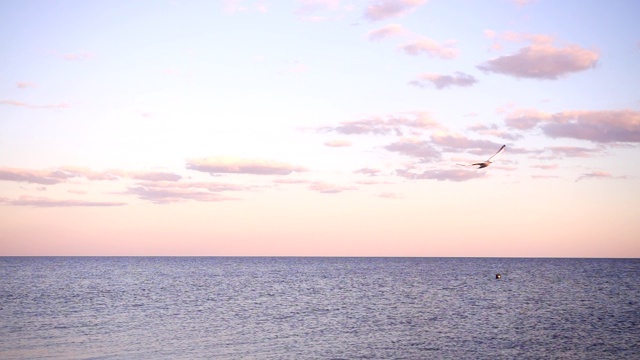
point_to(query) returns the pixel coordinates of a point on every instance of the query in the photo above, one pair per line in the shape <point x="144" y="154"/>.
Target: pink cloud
<point x="431" y="48"/>
<point x="368" y="171"/>
<point x="489" y="33"/>
<point x="387" y="31"/>
<point x="370" y="126"/>
<point x="209" y="186"/>
<point x="329" y="188"/>
<point x="337" y="143"/>
<point x="218" y="165"/>
<point x="43" y="177"/>
<point x="25" y="84"/>
<point x="544" y="176"/>
<point x="459" y="142"/>
<point x="384" y="9"/>
<point x="163" y="193"/>
<point x="151" y="176"/>
<point x="597" y="126"/>
<point x="573" y="151"/>
<point x="116" y="173"/>
<point x="541" y="60"/>
<point x="62" y="174"/>
<point x="373" y="182"/>
<point x="444" y="81"/>
<point x="31" y="106"/>
<point x="47" y="202"/>
<point x="525" y="118"/>
<point x="545" y="166"/>
<point x="291" y="181"/>
<point x="598" y="175"/>
<point x="381" y="126"/>
<point x="443" y="175"/>
<point x="415" y="148"/>
<point x="493" y="130"/>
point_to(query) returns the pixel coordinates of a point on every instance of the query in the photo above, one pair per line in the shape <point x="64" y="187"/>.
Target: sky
<point x="320" y="128"/>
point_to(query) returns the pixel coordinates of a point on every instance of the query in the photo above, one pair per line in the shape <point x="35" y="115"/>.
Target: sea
<point x="318" y="308"/>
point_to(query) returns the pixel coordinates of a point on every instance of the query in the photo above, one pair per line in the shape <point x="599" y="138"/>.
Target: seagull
<point x="488" y="162"/>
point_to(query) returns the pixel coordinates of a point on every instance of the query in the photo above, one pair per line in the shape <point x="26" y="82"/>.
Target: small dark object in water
<point x="498" y="276"/>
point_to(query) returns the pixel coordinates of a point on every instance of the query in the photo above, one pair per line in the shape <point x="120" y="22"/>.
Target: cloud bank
<point x="384" y="126"/>
<point x="430" y="47"/>
<point x="47" y="202"/>
<point x="229" y="165"/>
<point x="603" y="126"/>
<point x="391" y="30"/>
<point x="443" y="175"/>
<point x="415" y="148"/>
<point x="542" y="60"/>
<point x="444" y="81"/>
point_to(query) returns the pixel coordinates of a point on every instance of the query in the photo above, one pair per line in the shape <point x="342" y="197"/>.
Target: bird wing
<point x="499" y="151"/>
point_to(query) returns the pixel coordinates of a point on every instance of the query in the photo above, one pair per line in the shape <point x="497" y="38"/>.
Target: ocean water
<point x="318" y="308"/>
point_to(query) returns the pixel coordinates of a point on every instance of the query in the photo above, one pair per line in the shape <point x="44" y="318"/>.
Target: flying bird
<point x="484" y="164"/>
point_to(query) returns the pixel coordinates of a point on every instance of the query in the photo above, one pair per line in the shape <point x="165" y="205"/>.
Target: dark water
<point x="319" y="308"/>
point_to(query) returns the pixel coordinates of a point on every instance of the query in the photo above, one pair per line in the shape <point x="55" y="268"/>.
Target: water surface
<point x="318" y="308"/>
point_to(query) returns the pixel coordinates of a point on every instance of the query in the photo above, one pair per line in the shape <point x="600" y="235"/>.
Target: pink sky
<point x="319" y="128"/>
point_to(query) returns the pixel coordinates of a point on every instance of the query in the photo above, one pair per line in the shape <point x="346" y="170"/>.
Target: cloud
<point x="443" y="81"/>
<point x="150" y="175"/>
<point x="31" y="106"/>
<point x="368" y="171"/>
<point x="329" y="188"/>
<point x="443" y="175"/>
<point x="116" y="173"/>
<point x="43" y="177"/>
<point x="47" y="202"/>
<point x="541" y="60"/>
<point x="165" y="194"/>
<point x="337" y="143"/>
<point x="573" y="151"/>
<point x="431" y="48"/>
<point x="384" y="9"/>
<point x="459" y="142"/>
<point x="218" y="165"/>
<point x="25" y="84"/>
<point x="382" y="126"/>
<point x="546" y="166"/>
<point x="415" y="148"/>
<point x="598" y="126"/>
<point x="598" y="175"/>
<point x="62" y="174"/>
<point x="387" y="31"/>
<point x="493" y="130"/>
<point x="523" y="119"/>
<point x="544" y="176"/>
<point x="291" y="181"/>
